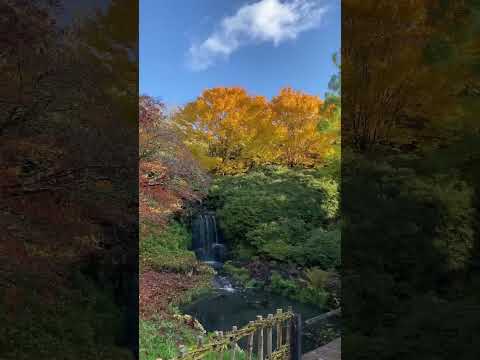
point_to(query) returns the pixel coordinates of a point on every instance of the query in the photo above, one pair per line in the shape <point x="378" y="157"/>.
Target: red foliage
<point x="167" y="170"/>
<point x="150" y="111"/>
<point x="157" y="290"/>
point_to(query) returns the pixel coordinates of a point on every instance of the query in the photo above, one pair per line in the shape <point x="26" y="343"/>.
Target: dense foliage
<point x="230" y="131"/>
<point x="394" y="96"/>
<point x="409" y="179"/>
<point x="169" y="176"/>
<point x="160" y="339"/>
<point x="68" y="188"/>
<point x="170" y="181"/>
<point x="167" y="249"/>
<point x="275" y="193"/>
<point x="410" y="239"/>
<point x="282" y="214"/>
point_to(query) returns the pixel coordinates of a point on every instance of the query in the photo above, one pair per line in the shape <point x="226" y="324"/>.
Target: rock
<point x="190" y="321"/>
<point x="198" y="326"/>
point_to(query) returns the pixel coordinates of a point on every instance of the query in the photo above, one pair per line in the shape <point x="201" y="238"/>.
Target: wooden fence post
<point x="250" y="342"/>
<point x="234" y="344"/>
<point x="260" y="340"/>
<point x="269" y="337"/>
<point x="288" y="329"/>
<point x="183" y="350"/>
<point x="199" y="341"/>
<point x="288" y="341"/>
<point x="296" y="345"/>
<point x="279" y="330"/>
<point x="220" y="354"/>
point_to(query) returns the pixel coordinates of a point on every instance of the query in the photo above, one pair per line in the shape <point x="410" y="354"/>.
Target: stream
<point x="228" y="306"/>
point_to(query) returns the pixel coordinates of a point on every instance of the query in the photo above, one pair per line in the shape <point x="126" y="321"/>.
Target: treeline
<point x="409" y="178"/>
<point x="230" y="131"/>
<point x="169" y="175"/>
<point x="226" y="131"/>
<point x="68" y="246"/>
<point x="425" y="92"/>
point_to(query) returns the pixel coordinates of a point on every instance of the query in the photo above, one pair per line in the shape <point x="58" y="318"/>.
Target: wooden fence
<point x="259" y="336"/>
<point x="324" y="316"/>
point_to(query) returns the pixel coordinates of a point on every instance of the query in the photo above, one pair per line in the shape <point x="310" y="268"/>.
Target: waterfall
<point x="209" y="247"/>
<point x="207" y="242"/>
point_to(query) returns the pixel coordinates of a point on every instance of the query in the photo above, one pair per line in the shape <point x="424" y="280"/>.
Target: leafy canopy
<point x="230" y="131"/>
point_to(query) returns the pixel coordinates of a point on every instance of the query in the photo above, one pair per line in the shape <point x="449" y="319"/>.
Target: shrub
<point x="322" y="248"/>
<point x="317" y="278"/>
<point x="312" y="296"/>
<point x="240" y="275"/>
<point x="80" y="320"/>
<point x="160" y="338"/>
<point x="167" y="249"/>
<point x="244" y="252"/>
<point x="285" y="287"/>
<point x="415" y="220"/>
<point x="293" y="290"/>
<point x="279" y="212"/>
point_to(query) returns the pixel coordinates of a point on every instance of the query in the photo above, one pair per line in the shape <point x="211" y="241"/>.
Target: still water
<point x="226" y="308"/>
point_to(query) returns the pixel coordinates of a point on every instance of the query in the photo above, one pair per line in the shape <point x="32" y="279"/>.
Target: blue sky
<point x="187" y="46"/>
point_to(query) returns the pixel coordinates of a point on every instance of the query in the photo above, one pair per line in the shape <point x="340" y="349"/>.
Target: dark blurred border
<point x="410" y="179"/>
<point x="69" y="179"/>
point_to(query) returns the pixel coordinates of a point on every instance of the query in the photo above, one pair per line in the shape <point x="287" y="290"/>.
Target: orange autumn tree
<point x="297" y="117"/>
<point x="228" y="130"/>
<point x="407" y="93"/>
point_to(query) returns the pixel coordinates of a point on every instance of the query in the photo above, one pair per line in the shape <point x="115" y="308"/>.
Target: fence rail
<point x="325" y="316"/>
<point x="285" y="325"/>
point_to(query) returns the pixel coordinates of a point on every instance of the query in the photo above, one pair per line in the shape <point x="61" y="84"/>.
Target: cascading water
<point x="228" y="306"/>
<point x="207" y="241"/>
<point x="209" y="247"/>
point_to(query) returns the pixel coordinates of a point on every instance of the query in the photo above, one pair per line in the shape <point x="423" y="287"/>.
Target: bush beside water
<point x="166" y="249"/>
<point x="285" y="217"/>
<point x="281" y="214"/>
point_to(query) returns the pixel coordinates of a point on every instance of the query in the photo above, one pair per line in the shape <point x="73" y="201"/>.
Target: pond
<point x="227" y="307"/>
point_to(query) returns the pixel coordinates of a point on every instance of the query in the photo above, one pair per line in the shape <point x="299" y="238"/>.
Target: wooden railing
<point x="324" y="316"/>
<point x="259" y="335"/>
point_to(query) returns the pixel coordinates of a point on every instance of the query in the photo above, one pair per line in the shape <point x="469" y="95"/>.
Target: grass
<point x="161" y="339"/>
<point x="240" y="275"/>
<point x="197" y="292"/>
<point x="228" y="355"/>
<point x="166" y="249"/>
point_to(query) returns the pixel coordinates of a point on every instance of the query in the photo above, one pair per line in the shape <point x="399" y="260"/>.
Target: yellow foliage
<point x="389" y="77"/>
<point x="229" y="131"/>
<point x="296" y="115"/>
<point x="226" y="128"/>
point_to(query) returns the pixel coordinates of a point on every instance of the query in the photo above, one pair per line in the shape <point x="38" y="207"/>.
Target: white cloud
<point x="263" y="21"/>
